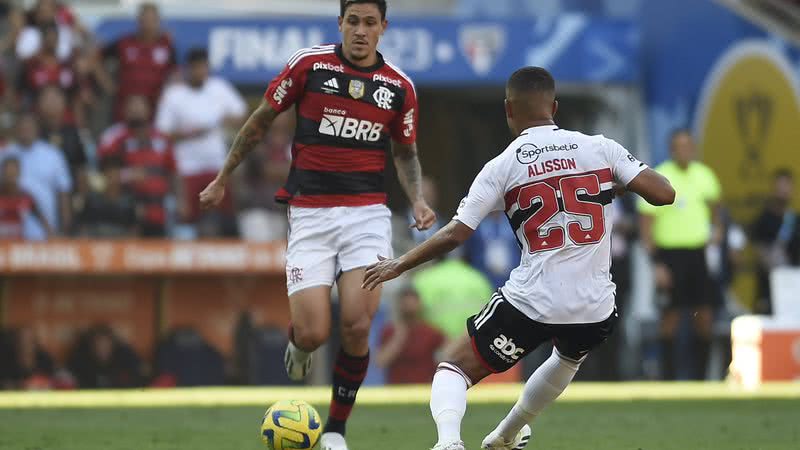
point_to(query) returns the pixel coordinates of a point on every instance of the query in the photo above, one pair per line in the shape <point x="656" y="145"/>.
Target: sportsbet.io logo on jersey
<point x="336" y="123"/>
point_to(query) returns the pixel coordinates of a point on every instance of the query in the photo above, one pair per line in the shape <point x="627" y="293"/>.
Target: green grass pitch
<point x="636" y="416"/>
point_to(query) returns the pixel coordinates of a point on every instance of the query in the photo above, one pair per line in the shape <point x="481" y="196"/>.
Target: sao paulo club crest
<point x="482" y="46"/>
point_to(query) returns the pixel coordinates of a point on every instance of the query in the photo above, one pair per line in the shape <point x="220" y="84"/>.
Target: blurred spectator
<point x="148" y="167"/>
<point x="776" y="233"/>
<point x="195" y="114"/>
<point x="260" y="217"/>
<point x="408" y="347"/>
<point x="46" y="68"/>
<point x="676" y="237"/>
<point x="110" y="213"/>
<point x="494" y="249"/>
<point x="451" y="291"/>
<point x="15" y="203"/>
<point x="24" y="364"/>
<point x="51" y="15"/>
<point x="184" y="358"/>
<point x="145" y="60"/>
<point x="102" y="360"/>
<point x="59" y="132"/>
<point x="45" y="176"/>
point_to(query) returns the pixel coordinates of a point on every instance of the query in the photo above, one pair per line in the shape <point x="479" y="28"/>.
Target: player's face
<point x="361" y="29"/>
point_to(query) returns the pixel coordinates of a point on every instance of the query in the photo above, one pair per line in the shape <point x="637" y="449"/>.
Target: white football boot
<point x="297" y="367"/>
<point x="451" y="446"/>
<point x="496" y="442"/>
<point x="332" y="441"/>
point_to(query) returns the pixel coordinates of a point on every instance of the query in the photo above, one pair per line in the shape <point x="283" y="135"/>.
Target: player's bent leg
<point x="311" y="326"/>
<point x="449" y="393"/>
<point x="358" y="307"/>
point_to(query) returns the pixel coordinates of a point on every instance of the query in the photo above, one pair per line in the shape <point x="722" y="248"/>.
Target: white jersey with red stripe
<point x="556" y="188"/>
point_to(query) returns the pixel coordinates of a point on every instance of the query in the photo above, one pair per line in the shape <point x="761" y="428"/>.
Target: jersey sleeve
<point x="287" y="88"/>
<point x="485" y="195"/>
<point x="404" y="127"/>
<point x="624" y="165"/>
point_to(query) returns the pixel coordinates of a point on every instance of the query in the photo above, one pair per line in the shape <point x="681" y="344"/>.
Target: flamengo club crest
<point x="482" y="46"/>
<point x="356" y="89"/>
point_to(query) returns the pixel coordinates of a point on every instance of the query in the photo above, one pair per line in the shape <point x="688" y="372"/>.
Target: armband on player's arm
<point x="249" y="136"/>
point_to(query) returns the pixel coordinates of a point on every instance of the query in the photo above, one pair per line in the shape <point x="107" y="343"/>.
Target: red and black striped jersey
<point x="347" y="117"/>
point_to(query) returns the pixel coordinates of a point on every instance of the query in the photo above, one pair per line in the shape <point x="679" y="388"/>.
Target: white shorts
<point x="324" y="242"/>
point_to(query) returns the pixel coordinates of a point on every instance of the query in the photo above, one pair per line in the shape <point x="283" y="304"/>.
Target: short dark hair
<point x="783" y="172"/>
<point x="531" y="79"/>
<point x="196" y="55"/>
<point x="381" y="4"/>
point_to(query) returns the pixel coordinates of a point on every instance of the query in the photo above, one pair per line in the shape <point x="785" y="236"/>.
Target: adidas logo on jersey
<point x="331" y="86"/>
<point x="350" y="128"/>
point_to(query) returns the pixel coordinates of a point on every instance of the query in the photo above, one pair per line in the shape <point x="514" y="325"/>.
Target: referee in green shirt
<point x="676" y="237"/>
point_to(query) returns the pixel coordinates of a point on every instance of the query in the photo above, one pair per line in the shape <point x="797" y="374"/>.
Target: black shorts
<point x="691" y="284"/>
<point x="502" y="335"/>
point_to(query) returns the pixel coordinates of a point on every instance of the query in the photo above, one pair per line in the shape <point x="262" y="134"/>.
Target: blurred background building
<point x="113" y="278"/>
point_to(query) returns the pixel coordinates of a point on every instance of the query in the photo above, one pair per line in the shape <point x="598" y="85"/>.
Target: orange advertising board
<point x="213" y="306"/>
<point x="141" y="257"/>
<point x="56" y="308"/>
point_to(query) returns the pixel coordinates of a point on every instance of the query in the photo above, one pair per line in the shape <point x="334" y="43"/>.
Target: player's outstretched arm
<point x="653" y="187"/>
<point x="249" y="136"/>
<point x="409" y="172"/>
<point x="445" y="240"/>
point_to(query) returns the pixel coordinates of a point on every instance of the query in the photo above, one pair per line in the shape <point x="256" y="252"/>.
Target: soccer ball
<point x="290" y="424"/>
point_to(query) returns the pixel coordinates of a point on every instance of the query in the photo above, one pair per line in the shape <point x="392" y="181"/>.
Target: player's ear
<point x="341" y="20"/>
<point x="555" y="107"/>
<point x="509" y="110"/>
<point x="385" y="24"/>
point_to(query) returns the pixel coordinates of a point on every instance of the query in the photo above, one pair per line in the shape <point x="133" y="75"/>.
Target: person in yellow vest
<point x="676" y="237"/>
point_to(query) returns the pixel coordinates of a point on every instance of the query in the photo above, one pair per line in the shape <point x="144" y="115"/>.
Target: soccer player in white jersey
<point x="556" y="188"/>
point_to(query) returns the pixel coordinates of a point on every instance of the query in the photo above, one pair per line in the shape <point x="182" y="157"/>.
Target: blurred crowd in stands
<point x="116" y="139"/>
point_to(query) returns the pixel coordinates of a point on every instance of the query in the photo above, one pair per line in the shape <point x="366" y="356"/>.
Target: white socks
<point x="541" y="389"/>
<point x="449" y="402"/>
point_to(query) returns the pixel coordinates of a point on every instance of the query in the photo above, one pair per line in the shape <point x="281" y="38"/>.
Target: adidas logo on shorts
<point x="331" y="86"/>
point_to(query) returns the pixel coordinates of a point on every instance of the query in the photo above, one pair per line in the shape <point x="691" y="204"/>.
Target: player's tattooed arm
<point x="249" y="136"/>
<point x="409" y="170"/>
<point x="410" y="174"/>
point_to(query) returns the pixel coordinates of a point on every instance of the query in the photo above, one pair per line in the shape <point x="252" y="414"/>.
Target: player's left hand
<point x="383" y="270"/>
<point x="423" y="215"/>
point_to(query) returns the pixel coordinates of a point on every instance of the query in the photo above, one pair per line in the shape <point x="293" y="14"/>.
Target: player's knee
<point x="309" y="338"/>
<point x="356" y="330"/>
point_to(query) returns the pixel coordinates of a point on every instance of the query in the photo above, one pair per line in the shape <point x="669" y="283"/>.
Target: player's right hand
<point x="212" y="195"/>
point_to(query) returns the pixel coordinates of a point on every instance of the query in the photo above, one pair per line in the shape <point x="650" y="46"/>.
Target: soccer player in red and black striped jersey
<point x="352" y="107"/>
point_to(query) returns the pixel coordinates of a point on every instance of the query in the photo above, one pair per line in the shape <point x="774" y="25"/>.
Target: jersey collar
<point x="346" y="62"/>
<point x="539" y="128"/>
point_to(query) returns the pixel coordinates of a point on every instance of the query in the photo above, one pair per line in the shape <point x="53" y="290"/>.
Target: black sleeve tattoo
<point x="249" y="136"/>
<point x="409" y="170"/>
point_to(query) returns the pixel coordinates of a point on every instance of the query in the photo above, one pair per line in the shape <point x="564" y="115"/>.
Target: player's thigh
<point x="576" y="341"/>
<point x="311" y="249"/>
<point x="358" y="306"/>
<point x="310" y="311"/>
<point x="365" y="233"/>
<point x="501" y="335"/>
